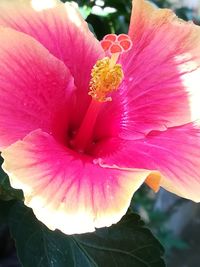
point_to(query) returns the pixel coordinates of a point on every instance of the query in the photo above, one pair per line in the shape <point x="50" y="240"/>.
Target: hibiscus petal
<point x="65" y="34"/>
<point x="34" y="88"/>
<point x="175" y="153"/>
<point x="61" y="30"/>
<point x="66" y="190"/>
<point x="161" y="75"/>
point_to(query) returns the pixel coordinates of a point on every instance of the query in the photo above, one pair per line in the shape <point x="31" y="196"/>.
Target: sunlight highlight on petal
<point x="40" y="5"/>
<point x="74" y="15"/>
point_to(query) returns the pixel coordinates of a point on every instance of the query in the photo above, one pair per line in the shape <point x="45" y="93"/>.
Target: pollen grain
<point x="105" y="79"/>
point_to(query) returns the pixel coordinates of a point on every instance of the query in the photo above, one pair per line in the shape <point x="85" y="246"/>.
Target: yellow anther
<point x="106" y="78"/>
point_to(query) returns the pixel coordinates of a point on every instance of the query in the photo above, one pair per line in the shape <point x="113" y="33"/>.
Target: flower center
<point x="106" y="76"/>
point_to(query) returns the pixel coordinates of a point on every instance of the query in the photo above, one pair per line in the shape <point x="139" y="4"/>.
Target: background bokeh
<point x="112" y="16"/>
<point x="175" y="222"/>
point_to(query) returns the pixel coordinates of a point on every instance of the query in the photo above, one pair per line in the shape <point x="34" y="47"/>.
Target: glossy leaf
<point x="6" y="191"/>
<point x="127" y="243"/>
<point x="5" y="207"/>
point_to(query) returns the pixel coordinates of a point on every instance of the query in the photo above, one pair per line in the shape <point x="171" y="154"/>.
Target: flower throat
<point x="106" y="76"/>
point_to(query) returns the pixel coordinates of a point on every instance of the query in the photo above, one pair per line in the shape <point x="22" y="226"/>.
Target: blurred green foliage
<point x="144" y="203"/>
<point x="113" y="16"/>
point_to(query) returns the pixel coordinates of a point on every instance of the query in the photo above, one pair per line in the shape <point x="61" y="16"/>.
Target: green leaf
<point x="127" y="243"/>
<point x="5" y="207"/>
<point x="6" y="191"/>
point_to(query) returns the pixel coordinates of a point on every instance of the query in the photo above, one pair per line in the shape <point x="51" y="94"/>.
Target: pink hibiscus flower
<point x="77" y="156"/>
